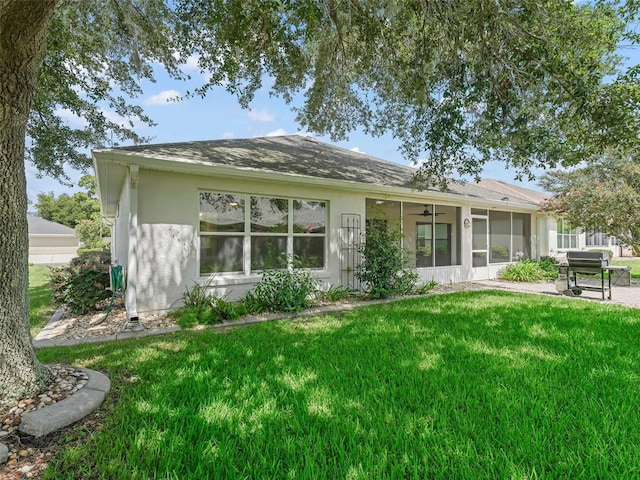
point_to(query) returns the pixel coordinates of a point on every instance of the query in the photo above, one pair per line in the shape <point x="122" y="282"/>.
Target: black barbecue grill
<point x="587" y="263"/>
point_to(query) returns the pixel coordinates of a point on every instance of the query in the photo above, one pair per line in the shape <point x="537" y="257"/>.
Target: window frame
<point x="433" y="241"/>
<point x="512" y="254"/>
<point x="248" y="234"/>
<point x="589" y="235"/>
<point x="563" y="238"/>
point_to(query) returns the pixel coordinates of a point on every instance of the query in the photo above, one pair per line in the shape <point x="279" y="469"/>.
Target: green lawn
<point x="40" y="299"/>
<point x="469" y="385"/>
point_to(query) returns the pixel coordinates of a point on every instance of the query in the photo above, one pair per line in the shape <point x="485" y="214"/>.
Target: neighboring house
<point x="219" y="212"/>
<point x="561" y="236"/>
<point x="50" y="242"/>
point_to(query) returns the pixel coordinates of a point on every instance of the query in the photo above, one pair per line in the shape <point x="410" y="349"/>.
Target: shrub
<point x="549" y="267"/>
<point x="83" y="283"/>
<point x="202" y="307"/>
<point x="197" y="297"/>
<point x="425" y="287"/>
<point x="523" y="271"/>
<point x="335" y="293"/>
<point x="384" y="270"/>
<point x="283" y="290"/>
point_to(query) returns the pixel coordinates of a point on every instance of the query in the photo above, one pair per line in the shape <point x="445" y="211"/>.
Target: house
<point x="50" y="242"/>
<point x="219" y="212"/>
<point x="561" y="236"/>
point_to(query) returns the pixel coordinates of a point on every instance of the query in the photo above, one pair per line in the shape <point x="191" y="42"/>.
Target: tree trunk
<point x="23" y="28"/>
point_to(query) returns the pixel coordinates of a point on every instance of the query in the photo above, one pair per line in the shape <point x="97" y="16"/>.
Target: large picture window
<point x="244" y="233"/>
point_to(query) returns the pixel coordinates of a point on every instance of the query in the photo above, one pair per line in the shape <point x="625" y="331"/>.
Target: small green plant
<point x="425" y="287"/>
<point x="83" y="283"/>
<point x="385" y="270"/>
<point x="289" y="289"/>
<point x="202" y="307"/>
<point x="198" y="297"/>
<point x="336" y="293"/>
<point x="522" y="271"/>
<point x="229" y="310"/>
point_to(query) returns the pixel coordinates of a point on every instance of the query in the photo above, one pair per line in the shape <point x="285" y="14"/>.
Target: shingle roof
<point x="40" y="226"/>
<point x="298" y="155"/>
<point x="515" y="191"/>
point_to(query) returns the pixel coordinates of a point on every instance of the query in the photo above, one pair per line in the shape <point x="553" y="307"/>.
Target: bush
<point x="83" y="283"/>
<point x="523" y="271"/>
<point x="335" y="293"/>
<point x="283" y="290"/>
<point x="384" y="270"/>
<point x="549" y="266"/>
<point x="204" y="308"/>
<point x="425" y="287"/>
<point x="198" y="297"/>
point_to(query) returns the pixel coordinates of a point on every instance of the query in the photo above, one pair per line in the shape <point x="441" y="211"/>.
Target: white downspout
<point x="132" y="267"/>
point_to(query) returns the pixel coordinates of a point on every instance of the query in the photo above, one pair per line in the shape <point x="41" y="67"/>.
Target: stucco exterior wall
<point x="168" y="241"/>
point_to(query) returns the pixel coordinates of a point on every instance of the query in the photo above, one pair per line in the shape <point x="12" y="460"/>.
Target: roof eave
<point x="196" y="167"/>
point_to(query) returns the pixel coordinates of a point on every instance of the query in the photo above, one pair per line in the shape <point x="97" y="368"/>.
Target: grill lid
<point x="587" y="259"/>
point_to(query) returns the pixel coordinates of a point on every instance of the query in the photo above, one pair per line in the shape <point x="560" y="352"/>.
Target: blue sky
<point x="220" y="116"/>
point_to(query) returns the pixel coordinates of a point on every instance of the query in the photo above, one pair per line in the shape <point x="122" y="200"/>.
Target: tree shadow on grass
<point x="476" y="384"/>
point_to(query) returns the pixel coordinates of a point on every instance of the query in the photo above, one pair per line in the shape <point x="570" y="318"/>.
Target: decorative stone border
<point x="73" y="408"/>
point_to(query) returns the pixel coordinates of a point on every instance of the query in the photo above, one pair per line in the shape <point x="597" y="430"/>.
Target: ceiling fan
<point x="426" y="212"/>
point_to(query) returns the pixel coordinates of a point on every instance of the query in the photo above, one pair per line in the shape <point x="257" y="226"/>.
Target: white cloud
<point x="261" y="116"/>
<point x="277" y="133"/>
<point x="189" y="64"/>
<point x="132" y="122"/>
<point x="228" y="135"/>
<point x="71" y="118"/>
<point x="357" y="150"/>
<point x="163" y="98"/>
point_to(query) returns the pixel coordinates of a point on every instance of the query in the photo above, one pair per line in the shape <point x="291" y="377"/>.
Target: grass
<point x="40" y="298"/>
<point x="468" y="385"/>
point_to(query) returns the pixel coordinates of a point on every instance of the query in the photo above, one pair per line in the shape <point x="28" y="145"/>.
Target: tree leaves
<point x="603" y="195"/>
<point x="530" y="83"/>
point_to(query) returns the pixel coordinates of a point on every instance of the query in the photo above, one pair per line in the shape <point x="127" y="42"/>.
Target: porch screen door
<point x="480" y="247"/>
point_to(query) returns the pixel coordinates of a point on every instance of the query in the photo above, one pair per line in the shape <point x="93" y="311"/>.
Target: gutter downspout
<point x="133" y="322"/>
